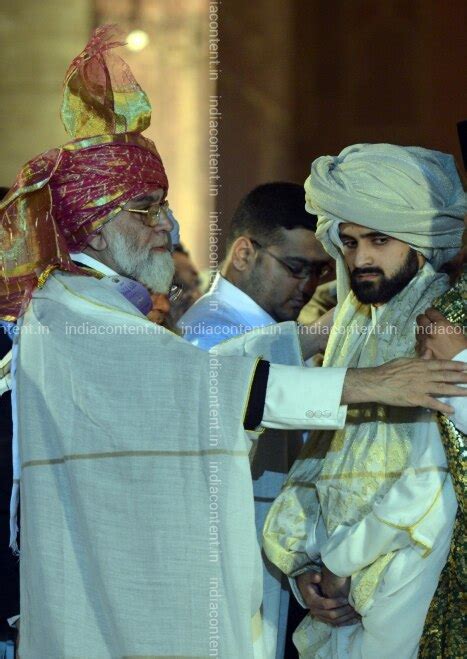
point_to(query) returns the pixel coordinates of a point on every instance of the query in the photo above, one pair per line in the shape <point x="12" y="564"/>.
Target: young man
<point x="371" y="507"/>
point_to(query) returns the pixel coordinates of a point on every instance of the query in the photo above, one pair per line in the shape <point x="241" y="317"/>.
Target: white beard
<point x="153" y="270"/>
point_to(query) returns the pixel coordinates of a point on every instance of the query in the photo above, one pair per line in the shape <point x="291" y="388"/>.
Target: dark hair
<point x="181" y="249"/>
<point x="3" y="192"/>
<point x="267" y="209"/>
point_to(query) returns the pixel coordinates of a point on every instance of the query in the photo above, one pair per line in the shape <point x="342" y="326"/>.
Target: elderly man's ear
<point x="242" y="254"/>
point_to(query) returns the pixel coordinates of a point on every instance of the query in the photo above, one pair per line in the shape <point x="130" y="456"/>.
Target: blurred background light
<point x="137" y="40"/>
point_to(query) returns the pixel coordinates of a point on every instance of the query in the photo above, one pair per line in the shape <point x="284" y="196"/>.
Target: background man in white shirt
<point x="273" y="265"/>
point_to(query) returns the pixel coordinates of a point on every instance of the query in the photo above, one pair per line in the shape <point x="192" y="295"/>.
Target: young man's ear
<point x="98" y="242"/>
<point x="243" y="254"/>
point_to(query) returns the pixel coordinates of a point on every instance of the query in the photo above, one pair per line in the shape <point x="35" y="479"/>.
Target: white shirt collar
<point x="243" y="303"/>
<point x="87" y="260"/>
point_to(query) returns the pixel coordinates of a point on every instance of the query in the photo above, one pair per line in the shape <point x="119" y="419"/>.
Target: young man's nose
<point x="363" y="257"/>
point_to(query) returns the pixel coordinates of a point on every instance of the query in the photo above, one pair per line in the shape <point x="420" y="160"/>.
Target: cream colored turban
<point x="412" y="194"/>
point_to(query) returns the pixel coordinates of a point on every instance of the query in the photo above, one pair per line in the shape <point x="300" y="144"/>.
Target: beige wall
<point x="38" y="40"/>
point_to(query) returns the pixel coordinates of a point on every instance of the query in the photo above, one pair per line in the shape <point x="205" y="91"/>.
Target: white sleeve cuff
<point x="351" y="548"/>
<point x="304" y="398"/>
<point x="13" y="621"/>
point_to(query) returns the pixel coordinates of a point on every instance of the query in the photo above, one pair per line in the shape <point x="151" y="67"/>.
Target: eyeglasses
<point x="175" y="292"/>
<point x="154" y="214"/>
<point x="302" y="271"/>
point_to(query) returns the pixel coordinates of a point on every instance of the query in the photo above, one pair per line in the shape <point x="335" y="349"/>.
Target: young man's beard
<point x="155" y="270"/>
<point x="385" y="288"/>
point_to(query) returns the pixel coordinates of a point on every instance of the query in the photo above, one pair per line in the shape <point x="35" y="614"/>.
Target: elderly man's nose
<point x="164" y="223"/>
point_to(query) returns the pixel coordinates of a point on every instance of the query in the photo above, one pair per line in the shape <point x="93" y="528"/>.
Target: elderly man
<point x="372" y="507"/>
<point x="137" y="513"/>
<point x="272" y="268"/>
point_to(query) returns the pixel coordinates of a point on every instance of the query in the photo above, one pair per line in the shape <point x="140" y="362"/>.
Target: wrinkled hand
<point x="335" y="611"/>
<point x="438" y="338"/>
<point x="406" y="383"/>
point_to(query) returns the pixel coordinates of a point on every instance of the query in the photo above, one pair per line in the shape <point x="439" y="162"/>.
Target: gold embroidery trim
<point x="131" y="454"/>
<point x="45" y="275"/>
<point x="410" y="529"/>
<point x="377" y="474"/>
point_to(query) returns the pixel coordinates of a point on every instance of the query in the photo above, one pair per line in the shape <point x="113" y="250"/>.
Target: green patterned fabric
<point x="443" y="636"/>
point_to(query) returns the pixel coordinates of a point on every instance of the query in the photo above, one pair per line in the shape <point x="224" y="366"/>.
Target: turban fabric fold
<point x="63" y="196"/>
<point x="409" y="193"/>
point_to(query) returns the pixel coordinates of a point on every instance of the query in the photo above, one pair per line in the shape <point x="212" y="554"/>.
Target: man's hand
<point x="406" y="383"/>
<point x="437" y="337"/>
<point x="334" y="586"/>
<point x="314" y="337"/>
<point x="334" y="611"/>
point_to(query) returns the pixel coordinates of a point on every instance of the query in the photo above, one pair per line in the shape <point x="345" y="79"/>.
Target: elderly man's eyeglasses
<point x="298" y="270"/>
<point x="175" y="293"/>
<point x="154" y="214"/>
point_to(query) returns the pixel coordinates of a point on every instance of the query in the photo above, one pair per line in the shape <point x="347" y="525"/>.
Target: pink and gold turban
<point x="63" y="196"/>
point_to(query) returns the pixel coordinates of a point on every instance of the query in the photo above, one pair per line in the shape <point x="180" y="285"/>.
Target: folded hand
<point x="332" y="610"/>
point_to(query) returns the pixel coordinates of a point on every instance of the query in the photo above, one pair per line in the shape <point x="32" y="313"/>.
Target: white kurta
<point x="374" y="503"/>
<point x="394" y="615"/>
<point x="138" y="534"/>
